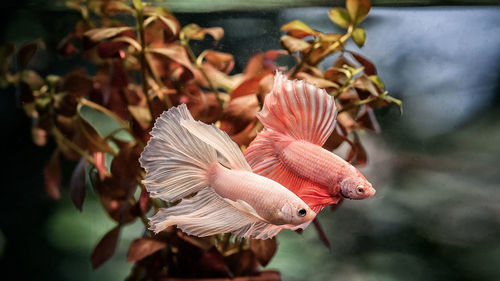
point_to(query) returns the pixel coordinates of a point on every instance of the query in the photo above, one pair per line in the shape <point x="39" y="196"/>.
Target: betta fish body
<point x="298" y="118"/>
<point x="185" y="156"/>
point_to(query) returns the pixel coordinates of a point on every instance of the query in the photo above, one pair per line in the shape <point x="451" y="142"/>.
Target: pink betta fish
<point x="184" y="157"/>
<point x="298" y="118"/>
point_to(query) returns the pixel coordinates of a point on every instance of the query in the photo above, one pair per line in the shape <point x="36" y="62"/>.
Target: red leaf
<point x="110" y="49"/>
<point x="52" y="176"/>
<point x="144" y="247"/>
<point x="25" y="54"/>
<point x="366" y="63"/>
<point x="264" y="250"/>
<point x="247" y="87"/>
<point x="247" y="135"/>
<point x="176" y="53"/>
<point x="125" y="166"/>
<point x="105" y="248"/>
<point x="242" y="263"/>
<point x="65" y="47"/>
<point x="78" y="83"/>
<point x="119" y="78"/>
<point x="366" y="119"/>
<point x="239" y="113"/>
<point x="256" y="66"/>
<point x="357" y="155"/>
<point x="119" y="209"/>
<point x="100" y="164"/>
<point x="204" y="107"/>
<point x="321" y="233"/>
<point x="77" y="188"/>
<point x="274" y="54"/>
<point x="212" y="263"/>
<point x="144" y="202"/>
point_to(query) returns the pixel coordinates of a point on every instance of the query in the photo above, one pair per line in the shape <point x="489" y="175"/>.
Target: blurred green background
<point x="436" y="214"/>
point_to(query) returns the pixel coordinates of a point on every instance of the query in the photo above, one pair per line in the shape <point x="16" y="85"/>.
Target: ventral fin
<point x="299" y="109"/>
<point x="244" y="207"/>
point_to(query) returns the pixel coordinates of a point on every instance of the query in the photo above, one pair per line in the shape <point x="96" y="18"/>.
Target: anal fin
<point x="207" y="214"/>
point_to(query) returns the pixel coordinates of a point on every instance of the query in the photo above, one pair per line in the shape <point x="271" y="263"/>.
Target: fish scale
<point x="316" y="164"/>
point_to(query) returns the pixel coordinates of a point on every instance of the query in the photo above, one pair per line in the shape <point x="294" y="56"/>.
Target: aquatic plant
<point x="102" y="120"/>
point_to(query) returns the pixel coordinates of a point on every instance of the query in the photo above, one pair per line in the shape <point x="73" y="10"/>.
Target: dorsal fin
<point x="299" y="109"/>
<point x="220" y="141"/>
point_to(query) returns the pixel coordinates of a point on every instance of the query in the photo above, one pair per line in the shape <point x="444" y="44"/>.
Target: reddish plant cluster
<point x="103" y="120"/>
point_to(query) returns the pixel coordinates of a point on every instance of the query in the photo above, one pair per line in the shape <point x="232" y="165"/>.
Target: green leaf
<point x="358" y="9"/>
<point x="137" y="5"/>
<point x="104" y="125"/>
<point x="396" y="101"/>
<point x="359" y="36"/>
<point x="340" y="17"/>
<point x="377" y="81"/>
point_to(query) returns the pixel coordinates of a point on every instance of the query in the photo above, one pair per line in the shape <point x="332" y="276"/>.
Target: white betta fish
<point x="185" y="156"/>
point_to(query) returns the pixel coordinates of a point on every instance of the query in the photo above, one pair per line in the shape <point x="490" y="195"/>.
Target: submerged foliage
<point x="102" y="120"/>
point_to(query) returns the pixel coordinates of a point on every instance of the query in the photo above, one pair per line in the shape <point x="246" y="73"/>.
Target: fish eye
<point x="302" y="212"/>
<point x="360" y="190"/>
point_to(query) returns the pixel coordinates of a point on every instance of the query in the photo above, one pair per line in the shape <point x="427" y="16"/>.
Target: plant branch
<point x="112" y="115"/>
<point x="331" y="48"/>
<point x="304" y="59"/>
<point x="73" y="146"/>
<point x="142" y="58"/>
<point x="192" y="56"/>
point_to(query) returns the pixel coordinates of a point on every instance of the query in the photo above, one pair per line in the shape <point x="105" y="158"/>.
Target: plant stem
<point x="330" y="49"/>
<point x="73" y="146"/>
<point x="142" y="57"/>
<point x="358" y="103"/>
<point x="304" y="59"/>
<point x="192" y="56"/>
<point x="112" y="115"/>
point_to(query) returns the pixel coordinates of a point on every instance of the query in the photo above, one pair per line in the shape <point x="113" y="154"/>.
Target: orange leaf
<point x="247" y="87"/>
<point x="298" y="29"/>
<point x="222" y="61"/>
<point x="195" y="32"/>
<point x="143" y="247"/>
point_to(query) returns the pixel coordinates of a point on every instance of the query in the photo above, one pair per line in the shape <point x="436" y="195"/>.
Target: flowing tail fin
<point x="299" y="109"/>
<point x="176" y="162"/>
